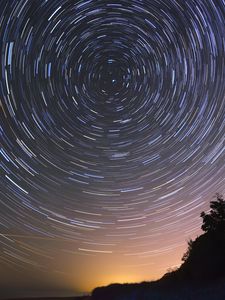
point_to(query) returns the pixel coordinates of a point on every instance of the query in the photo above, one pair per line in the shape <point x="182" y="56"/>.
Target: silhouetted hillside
<point x="158" y="291"/>
<point x="205" y="257"/>
<point x="201" y="276"/>
<point x="206" y="260"/>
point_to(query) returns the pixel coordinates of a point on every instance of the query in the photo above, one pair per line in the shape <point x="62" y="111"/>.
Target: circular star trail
<point x="112" y="126"/>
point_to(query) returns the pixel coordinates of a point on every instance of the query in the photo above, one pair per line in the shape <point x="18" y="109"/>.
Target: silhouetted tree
<point x="214" y="221"/>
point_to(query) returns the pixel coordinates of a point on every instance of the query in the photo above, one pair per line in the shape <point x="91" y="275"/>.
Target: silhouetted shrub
<point x="189" y="249"/>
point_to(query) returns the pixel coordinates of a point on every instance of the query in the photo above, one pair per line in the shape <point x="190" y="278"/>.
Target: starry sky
<point x="112" y="138"/>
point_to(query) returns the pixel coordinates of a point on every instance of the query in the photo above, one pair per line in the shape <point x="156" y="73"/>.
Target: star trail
<point x="112" y="135"/>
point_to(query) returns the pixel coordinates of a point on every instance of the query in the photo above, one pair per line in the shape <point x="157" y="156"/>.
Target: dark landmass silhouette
<point x="201" y="276"/>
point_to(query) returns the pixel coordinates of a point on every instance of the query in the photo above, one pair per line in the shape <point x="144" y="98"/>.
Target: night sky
<point x="112" y="138"/>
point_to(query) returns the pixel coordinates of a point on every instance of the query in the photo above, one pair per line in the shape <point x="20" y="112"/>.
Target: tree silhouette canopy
<point x="214" y="221"/>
